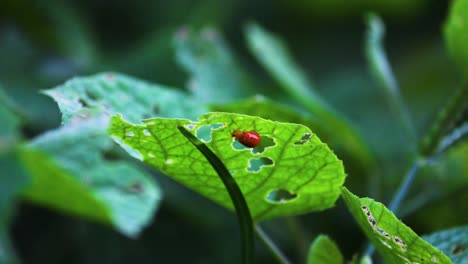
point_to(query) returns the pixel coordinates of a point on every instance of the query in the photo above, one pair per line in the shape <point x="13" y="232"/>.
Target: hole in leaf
<point x="280" y="196"/>
<point x="265" y="142"/>
<point x="457" y="249"/>
<point x="304" y="139"/>
<point x="255" y="165"/>
<point x="190" y="126"/>
<point x="83" y="102"/>
<point x="129" y="134"/>
<point x="146" y="132"/>
<point x="204" y="132"/>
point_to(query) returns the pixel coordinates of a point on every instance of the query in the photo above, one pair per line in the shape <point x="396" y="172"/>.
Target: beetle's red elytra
<point x="250" y="139"/>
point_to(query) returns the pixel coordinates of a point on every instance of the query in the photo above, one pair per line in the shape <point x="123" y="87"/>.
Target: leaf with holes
<point x="211" y="65"/>
<point x="70" y="173"/>
<point x="456" y="33"/>
<point x="453" y="242"/>
<point x="273" y="54"/>
<point x="324" y="250"/>
<point x="290" y="172"/>
<point x="112" y="93"/>
<point x="266" y="108"/>
<point x="395" y="241"/>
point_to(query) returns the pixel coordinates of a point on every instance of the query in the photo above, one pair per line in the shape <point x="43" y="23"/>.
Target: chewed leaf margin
<point x="395" y="241"/>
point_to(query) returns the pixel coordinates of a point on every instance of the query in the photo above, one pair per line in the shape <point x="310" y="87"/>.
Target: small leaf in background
<point x="453" y="242"/>
<point x="9" y="121"/>
<point x="273" y="54"/>
<point x="456" y="33"/>
<point x="111" y="93"/>
<point x="290" y="172"/>
<point x="382" y="71"/>
<point x="13" y="178"/>
<point x="12" y="175"/>
<point x="215" y="75"/>
<point x="395" y="241"/>
<point x="277" y="60"/>
<point x="324" y="251"/>
<point x="77" y="178"/>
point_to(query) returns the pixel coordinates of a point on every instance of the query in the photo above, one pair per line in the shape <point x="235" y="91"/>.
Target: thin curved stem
<point x="270" y="245"/>
<point x="242" y="210"/>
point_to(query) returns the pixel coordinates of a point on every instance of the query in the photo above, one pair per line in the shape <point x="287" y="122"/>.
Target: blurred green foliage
<point x="202" y="47"/>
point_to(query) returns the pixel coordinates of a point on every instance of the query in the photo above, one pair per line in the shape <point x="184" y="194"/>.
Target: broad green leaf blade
<point x="277" y="60"/>
<point x="290" y="172"/>
<point x="268" y="109"/>
<point x="395" y="241"/>
<point x="75" y="177"/>
<point x="453" y="242"/>
<point x="324" y="251"/>
<point x="112" y="93"/>
<point x="215" y="76"/>
<point x="456" y="33"/>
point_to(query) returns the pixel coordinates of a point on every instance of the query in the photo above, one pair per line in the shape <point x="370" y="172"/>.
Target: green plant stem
<point x="240" y="205"/>
<point x="270" y="245"/>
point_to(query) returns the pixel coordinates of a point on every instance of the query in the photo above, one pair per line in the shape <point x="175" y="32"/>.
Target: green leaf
<point x="75" y="177"/>
<point x="13" y="178"/>
<point x="453" y="242"/>
<point x="9" y="121"/>
<point x="277" y="60"/>
<point x="237" y="198"/>
<point x="12" y="175"/>
<point x="434" y="142"/>
<point x="290" y="172"/>
<point x="324" y="250"/>
<point x="112" y="93"/>
<point x="395" y="241"/>
<point x="456" y="33"/>
<point x="215" y="76"/>
<point x="268" y="109"/>
<point x="382" y="70"/>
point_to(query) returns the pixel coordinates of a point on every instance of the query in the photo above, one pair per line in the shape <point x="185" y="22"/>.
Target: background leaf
<point x="291" y="172"/>
<point x="12" y="175"/>
<point x="277" y="60"/>
<point x="456" y="33"/>
<point x="324" y="251"/>
<point x="453" y="242"/>
<point x="215" y="75"/>
<point x="395" y="241"/>
<point x="112" y="93"/>
<point x="77" y="178"/>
